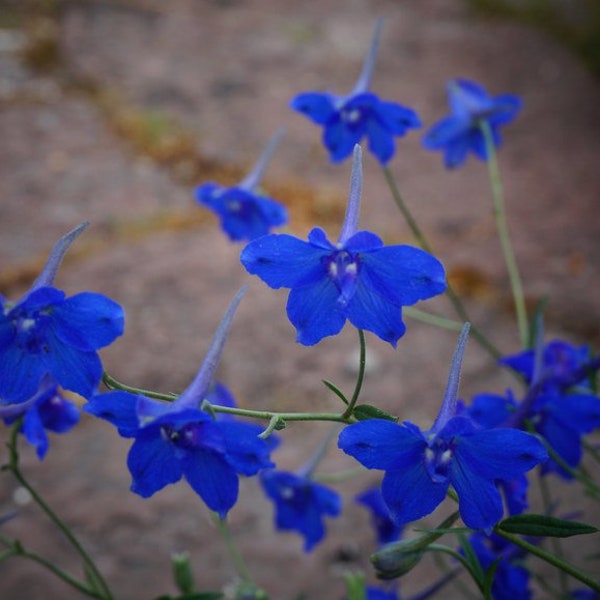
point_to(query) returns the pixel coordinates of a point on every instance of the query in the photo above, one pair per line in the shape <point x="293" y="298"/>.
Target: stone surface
<point x="225" y="71"/>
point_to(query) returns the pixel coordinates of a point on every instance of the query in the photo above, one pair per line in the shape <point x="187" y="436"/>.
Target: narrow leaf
<point x="545" y="526"/>
<point x="363" y="412"/>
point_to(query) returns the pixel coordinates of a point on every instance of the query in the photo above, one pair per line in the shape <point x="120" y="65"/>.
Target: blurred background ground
<point x="113" y="111"/>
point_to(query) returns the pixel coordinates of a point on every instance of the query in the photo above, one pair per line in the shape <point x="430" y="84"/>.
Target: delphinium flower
<point x="301" y="504"/>
<point x="386" y="529"/>
<point x="245" y="212"/>
<point x="46" y="409"/>
<point x="559" y="404"/>
<point x="373" y="593"/>
<point x="420" y="466"/>
<point x="347" y="119"/>
<point x="511" y="579"/>
<point x="461" y="132"/>
<point x="47" y="333"/>
<point x="356" y="279"/>
<point x="179" y="439"/>
<point x="560" y="364"/>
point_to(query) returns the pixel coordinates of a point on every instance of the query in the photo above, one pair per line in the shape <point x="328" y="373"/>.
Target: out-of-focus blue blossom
<point x="386" y="529"/>
<point x="46" y="409"/>
<point x="178" y="439"/>
<point x="374" y="593"/>
<point x="561" y="364"/>
<point x="346" y="120"/>
<point x="559" y="404"/>
<point x="461" y="132"/>
<point x="511" y="579"/>
<point x="491" y="410"/>
<point x="357" y="279"/>
<point x="584" y="594"/>
<point x="47" y="333"/>
<point x="561" y="421"/>
<point x="421" y="465"/>
<point x="301" y="504"/>
<point x="245" y="213"/>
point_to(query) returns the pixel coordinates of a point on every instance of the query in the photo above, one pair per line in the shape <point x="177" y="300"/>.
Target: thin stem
<point x="13" y="466"/>
<point x="264" y="415"/>
<point x="422" y="241"/>
<point x="360" y="377"/>
<point x="502" y="226"/>
<point x="282" y="416"/>
<point x="549" y="558"/>
<point x="111" y="383"/>
<point x="437" y="320"/>
<point x="236" y="557"/>
<point x="16" y="549"/>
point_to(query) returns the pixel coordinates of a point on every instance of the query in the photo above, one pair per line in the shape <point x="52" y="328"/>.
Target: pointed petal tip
<point x="46" y="277"/>
<point x="350" y="224"/>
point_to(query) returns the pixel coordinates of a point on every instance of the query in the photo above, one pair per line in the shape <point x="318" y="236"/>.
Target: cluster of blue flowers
<point x="480" y="453"/>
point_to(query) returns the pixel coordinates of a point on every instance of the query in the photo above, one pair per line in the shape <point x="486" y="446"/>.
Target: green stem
<point x="236" y="557"/>
<point x="502" y="226"/>
<point x="360" y="377"/>
<point x="264" y="415"/>
<point x="16" y="549"/>
<point x="113" y="384"/>
<point x="459" y="307"/>
<point x="13" y="466"/>
<point x="437" y="320"/>
<point x="549" y="558"/>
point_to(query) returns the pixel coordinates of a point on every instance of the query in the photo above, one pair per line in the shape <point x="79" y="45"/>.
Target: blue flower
<point x="511" y="579"/>
<point x="374" y="593"/>
<point x="300" y="504"/>
<point x="47" y="333"/>
<point x="387" y="530"/>
<point x="245" y="214"/>
<point x="559" y="404"/>
<point x="178" y="439"/>
<point x="420" y="466"/>
<point x="356" y="279"/>
<point x="562" y="420"/>
<point x="461" y="132"/>
<point x="561" y="365"/>
<point x="46" y="409"/>
<point x="347" y="119"/>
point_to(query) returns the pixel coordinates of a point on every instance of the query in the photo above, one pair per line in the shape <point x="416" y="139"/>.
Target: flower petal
<point x="88" y="321"/>
<point x="34" y="432"/>
<point x="213" y="479"/>
<point x="339" y="138"/>
<point x="118" y="408"/>
<point x="20" y="373"/>
<point x="382" y="444"/>
<point x="282" y="260"/>
<point x="499" y="453"/>
<point x="76" y="370"/>
<point x="402" y="274"/>
<point x="315" y="312"/>
<point x="152" y="462"/>
<point x="317" y="106"/>
<point x="410" y="493"/>
<point x="373" y="312"/>
<point x="479" y="501"/>
<point x="245" y="451"/>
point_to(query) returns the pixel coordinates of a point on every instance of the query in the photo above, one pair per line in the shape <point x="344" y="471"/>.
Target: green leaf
<point x="545" y="526"/>
<point x="336" y="390"/>
<point x="363" y="412"/>
<point x="488" y="582"/>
